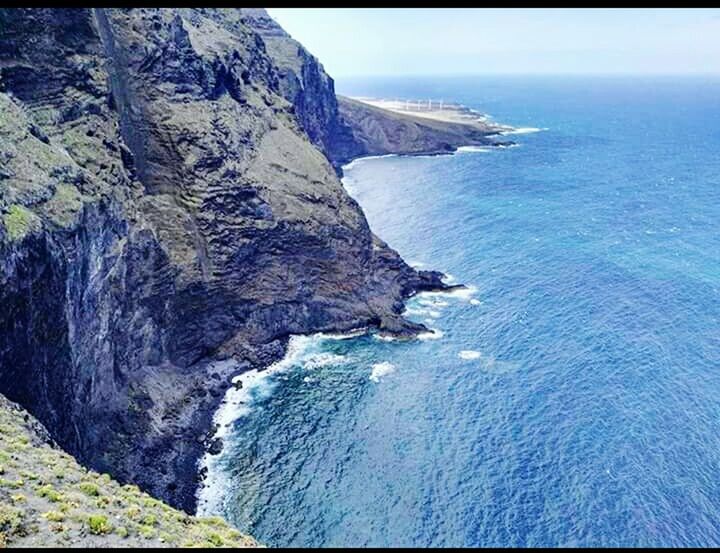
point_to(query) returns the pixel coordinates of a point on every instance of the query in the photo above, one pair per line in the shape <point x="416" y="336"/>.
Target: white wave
<point x="469" y="354"/>
<point x="238" y="401"/>
<point x="523" y="130"/>
<point x="354" y="162"/>
<point x="468" y="149"/>
<point x="475" y="301"/>
<point x="448" y="278"/>
<point x="381" y="369"/>
<point x="416" y="264"/>
<point x="457" y="293"/>
<point x="434" y="334"/>
<point x="235" y="405"/>
<point x="354" y="333"/>
<point x="384" y="337"/>
<point x="323" y="360"/>
<point x="246" y="385"/>
<point x="422" y="312"/>
<point x="432" y="302"/>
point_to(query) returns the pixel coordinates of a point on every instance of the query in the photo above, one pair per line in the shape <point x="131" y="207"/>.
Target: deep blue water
<point x="586" y="407"/>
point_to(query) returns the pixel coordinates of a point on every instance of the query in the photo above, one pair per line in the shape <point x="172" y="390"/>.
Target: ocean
<point x="571" y="396"/>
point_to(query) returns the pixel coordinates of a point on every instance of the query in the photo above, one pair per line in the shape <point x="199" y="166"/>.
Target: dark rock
<point x="216" y="446"/>
<point x="176" y="221"/>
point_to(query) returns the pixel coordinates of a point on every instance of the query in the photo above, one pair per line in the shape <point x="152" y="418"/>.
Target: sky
<point x="435" y="41"/>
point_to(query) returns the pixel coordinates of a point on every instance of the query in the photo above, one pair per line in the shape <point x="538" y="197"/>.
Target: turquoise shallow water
<point x="573" y="398"/>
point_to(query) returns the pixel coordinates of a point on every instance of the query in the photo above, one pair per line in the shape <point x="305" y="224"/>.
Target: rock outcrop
<point x="168" y="218"/>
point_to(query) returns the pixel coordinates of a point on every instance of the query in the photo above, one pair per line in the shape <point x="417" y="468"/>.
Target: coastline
<point x="468" y="148"/>
<point x="235" y="400"/>
<point x="236" y="395"/>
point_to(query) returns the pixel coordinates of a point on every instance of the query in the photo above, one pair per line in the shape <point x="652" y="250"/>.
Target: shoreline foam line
<point x="523" y="130"/>
<point x="237" y="402"/>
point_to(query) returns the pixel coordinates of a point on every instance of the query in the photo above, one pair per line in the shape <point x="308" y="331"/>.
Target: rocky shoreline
<point x="170" y="214"/>
<point x="212" y="440"/>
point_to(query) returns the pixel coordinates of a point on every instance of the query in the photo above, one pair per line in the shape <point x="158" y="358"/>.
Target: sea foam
<point x="468" y="149"/>
<point x="381" y="369"/>
<point x="434" y="334"/>
<point x="523" y="130"/>
<point x="254" y="384"/>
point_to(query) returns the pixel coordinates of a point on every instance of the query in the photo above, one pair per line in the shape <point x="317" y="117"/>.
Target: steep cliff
<point x="343" y="128"/>
<point x="303" y="82"/>
<point x="169" y="218"/>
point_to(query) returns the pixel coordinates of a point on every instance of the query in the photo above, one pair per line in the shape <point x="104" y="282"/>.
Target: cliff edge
<point x="168" y="218"/>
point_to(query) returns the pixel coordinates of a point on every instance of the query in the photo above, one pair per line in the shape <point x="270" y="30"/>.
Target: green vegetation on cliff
<point x="48" y="499"/>
<point x="20" y="221"/>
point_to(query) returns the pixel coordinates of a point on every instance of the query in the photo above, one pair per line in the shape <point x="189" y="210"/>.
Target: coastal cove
<point x="247" y="304"/>
<point x="569" y="397"/>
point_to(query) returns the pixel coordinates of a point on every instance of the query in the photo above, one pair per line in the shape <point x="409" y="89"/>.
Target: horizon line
<point x="521" y="74"/>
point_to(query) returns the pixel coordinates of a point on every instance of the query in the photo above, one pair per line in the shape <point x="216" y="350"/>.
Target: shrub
<point x="54" y="516"/>
<point x="99" y="524"/>
<point x="11" y="483"/>
<point x="89" y="488"/>
<point x="11" y="520"/>
<point x="132" y="512"/>
<point x="215" y="539"/>
<point x="20" y="221"/>
<point x="50" y="493"/>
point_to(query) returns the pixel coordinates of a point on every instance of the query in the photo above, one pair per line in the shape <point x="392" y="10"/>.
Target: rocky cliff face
<point x="344" y="128"/>
<point x="378" y="131"/>
<point x="303" y="82"/>
<point x="168" y="218"/>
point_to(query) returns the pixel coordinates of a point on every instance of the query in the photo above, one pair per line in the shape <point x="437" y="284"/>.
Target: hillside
<point x="48" y="500"/>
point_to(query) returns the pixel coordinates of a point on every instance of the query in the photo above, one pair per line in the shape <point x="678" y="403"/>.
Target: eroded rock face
<point x="167" y="222"/>
<point x="303" y="82"/>
<point x="343" y="128"/>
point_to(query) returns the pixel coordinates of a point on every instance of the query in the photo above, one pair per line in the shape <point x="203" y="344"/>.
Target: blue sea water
<point x="573" y="398"/>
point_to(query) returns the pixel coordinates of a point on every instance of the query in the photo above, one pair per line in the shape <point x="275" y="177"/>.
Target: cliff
<point x="169" y="218"/>
<point x="343" y="128"/>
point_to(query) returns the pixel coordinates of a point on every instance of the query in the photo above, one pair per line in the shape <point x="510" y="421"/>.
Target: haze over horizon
<point x="433" y="41"/>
